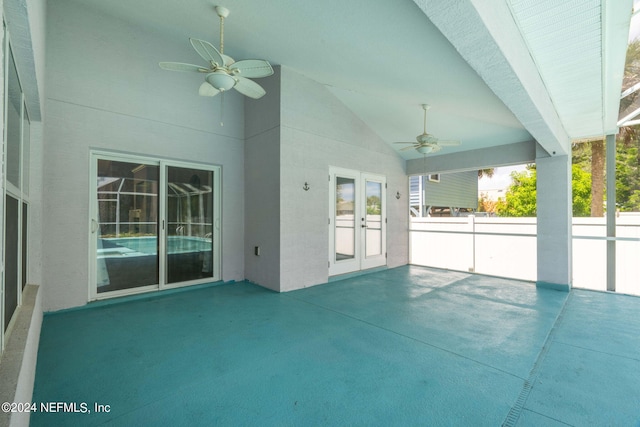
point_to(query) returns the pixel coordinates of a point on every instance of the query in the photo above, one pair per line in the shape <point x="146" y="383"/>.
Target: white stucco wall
<point x="318" y="131"/>
<point x="105" y="91"/>
<point x="262" y="189"/>
<point x="294" y="134"/>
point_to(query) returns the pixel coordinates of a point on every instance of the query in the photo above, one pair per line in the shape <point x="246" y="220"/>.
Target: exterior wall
<point x="262" y="189"/>
<point x="37" y="10"/>
<point x="458" y="190"/>
<point x="105" y="91"/>
<point x="318" y="131"/>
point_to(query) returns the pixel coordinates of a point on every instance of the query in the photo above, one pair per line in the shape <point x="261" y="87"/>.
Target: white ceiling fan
<point x="222" y="72"/>
<point x="425" y="142"/>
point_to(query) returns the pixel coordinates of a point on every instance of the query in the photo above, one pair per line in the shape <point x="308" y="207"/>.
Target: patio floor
<point x="404" y="346"/>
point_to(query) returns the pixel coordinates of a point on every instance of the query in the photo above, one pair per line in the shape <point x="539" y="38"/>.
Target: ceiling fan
<point x="425" y="142"/>
<point x="222" y="72"/>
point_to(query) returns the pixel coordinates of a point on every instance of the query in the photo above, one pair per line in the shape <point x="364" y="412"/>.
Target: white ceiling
<point x="385" y="58"/>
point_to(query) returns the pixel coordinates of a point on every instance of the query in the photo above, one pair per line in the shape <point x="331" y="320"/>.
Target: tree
<point x="628" y="143"/>
<point x="486" y="172"/>
<point x="582" y="192"/>
<point x="597" y="177"/>
<point x="628" y="176"/>
<point x="520" y="199"/>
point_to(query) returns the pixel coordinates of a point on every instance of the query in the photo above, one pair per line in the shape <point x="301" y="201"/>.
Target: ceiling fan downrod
<point x="425" y="107"/>
<point x="222" y="12"/>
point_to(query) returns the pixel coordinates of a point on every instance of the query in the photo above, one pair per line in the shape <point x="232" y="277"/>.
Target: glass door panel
<point x="373" y="235"/>
<point x="11" y="258"/>
<point x="345" y="228"/>
<point x="23" y="259"/>
<point x="126" y="225"/>
<point x="190" y="231"/>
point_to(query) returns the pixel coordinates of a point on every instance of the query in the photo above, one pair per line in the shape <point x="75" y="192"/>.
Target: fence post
<point x="472" y="221"/>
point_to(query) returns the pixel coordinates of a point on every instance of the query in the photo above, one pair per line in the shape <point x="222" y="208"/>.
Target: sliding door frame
<point x="217" y="210"/>
<point x="163" y="166"/>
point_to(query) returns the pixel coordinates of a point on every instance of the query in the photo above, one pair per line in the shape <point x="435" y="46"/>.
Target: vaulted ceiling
<point x="494" y="72"/>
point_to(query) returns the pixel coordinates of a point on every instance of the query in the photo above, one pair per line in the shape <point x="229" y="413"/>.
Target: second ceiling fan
<point x="425" y="142"/>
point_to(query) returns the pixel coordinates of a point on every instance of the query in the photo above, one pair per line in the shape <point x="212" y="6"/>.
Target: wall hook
<point x="398" y="195"/>
<point x="306" y="187"/>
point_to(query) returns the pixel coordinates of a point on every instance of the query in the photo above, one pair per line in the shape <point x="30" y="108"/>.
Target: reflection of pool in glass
<point x="142" y="246"/>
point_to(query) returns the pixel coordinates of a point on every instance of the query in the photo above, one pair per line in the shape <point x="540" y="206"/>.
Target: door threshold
<point x="344" y="276"/>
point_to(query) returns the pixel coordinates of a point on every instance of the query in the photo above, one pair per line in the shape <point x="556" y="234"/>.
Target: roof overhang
<point x="558" y="66"/>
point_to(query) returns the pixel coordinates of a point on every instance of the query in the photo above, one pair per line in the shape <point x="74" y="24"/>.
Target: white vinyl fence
<point x="506" y="247"/>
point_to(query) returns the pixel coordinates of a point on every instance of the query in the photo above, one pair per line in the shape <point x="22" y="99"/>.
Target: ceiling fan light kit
<point x="223" y="73"/>
<point x="220" y="80"/>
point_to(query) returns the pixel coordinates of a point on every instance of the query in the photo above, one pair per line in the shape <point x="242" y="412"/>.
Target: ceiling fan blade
<point x="252" y="68"/>
<point x="447" y="143"/>
<point x="401" y="142"/>
<point x="249" y="88"/>
<point x="408" y="148"/>
<point x="207" y="90"/>
<point x="228" y="60"/>
<point x="207" y="51"/>
<point x="179" y="66"/>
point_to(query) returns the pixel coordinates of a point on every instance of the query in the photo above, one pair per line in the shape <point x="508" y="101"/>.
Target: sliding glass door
<point x="190" y="233"/>
<point x="152" y="225"/>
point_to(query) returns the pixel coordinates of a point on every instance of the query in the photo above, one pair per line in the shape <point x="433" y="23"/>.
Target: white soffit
<point x="578" y="47"/>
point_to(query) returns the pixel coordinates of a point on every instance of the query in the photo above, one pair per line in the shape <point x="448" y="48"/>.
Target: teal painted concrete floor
<point x="404" y="346"/>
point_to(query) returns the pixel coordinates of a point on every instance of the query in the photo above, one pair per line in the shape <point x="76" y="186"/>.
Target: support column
<point x="611" y="213"/>
<point x="554" y="212"/>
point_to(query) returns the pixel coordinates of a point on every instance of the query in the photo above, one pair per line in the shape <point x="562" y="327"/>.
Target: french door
<point x="154" y="224"/>
<point x="357" y="221"/>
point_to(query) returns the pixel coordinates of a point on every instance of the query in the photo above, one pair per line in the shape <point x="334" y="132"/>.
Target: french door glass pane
<point x="374" y="219"/>
<point x="127" y="250"/>
<point x="345" y="218"/>
<point x="189" y="224"/>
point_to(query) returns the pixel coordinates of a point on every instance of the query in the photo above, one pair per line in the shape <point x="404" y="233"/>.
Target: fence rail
<point x="507" y="247"/>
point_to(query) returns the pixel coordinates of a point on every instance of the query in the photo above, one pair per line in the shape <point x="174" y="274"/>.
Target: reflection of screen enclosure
<point x="189" y="224"/>
<point x="128" y="216"/>
<point x="128" y="220"/>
